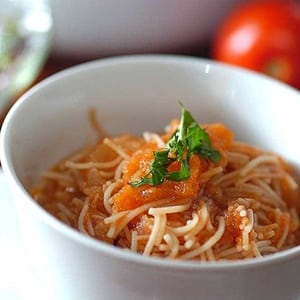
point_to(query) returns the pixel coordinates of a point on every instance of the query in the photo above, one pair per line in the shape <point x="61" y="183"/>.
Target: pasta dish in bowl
<point x="193" y="201"/>
<point x="201" y="204"/>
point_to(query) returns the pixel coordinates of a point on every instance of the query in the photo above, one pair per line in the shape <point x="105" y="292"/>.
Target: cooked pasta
<point x="245" y="205"/>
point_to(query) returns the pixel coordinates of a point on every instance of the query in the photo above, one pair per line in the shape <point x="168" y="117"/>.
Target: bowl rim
<point x="99" y="246"/>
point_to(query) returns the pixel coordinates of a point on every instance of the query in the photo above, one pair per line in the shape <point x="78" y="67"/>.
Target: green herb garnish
<point x="187" y="140"/>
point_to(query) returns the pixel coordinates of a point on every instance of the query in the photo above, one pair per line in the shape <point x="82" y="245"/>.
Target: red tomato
<point x="263" y="36"/>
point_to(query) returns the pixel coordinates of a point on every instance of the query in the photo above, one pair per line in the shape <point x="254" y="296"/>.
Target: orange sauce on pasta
<point x="268" y="207"/>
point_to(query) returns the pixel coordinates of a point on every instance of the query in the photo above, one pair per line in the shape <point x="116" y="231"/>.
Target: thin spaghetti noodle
<point x="244" y="206"/>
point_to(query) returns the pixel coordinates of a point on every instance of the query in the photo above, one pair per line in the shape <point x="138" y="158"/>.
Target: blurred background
<point x="41" y="37"/>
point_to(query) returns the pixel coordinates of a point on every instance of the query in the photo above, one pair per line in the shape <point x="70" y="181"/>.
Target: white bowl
<point x="134" y="94"/>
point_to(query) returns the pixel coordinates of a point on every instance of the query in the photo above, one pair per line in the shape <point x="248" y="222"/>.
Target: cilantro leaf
<point x="183" y="174"/>
<point x="187" y="140"/>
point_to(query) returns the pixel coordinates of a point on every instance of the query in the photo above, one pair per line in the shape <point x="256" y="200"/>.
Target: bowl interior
<point x="133" y="94"/>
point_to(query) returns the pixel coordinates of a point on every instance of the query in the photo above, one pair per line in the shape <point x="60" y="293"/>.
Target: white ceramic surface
<point x="133" y="94"/>
<point x="94" y="28"/>
<point x="17" y="278"/>
<point x="10" y="258"/>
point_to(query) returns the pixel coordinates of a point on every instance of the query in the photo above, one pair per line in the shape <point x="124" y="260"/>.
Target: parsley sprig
<point x="187" y="140"/>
